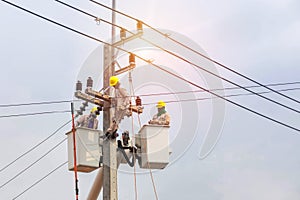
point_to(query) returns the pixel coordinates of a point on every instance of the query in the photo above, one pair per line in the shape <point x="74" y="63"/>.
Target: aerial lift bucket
<point x="87" y="149"/>
<point x="152" y="142"/>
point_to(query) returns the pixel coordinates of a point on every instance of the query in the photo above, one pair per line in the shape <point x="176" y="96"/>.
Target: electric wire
<point x="34" y="103"/>
<point x="198" y="53"/>
<point x="142" y="59"/>
<point x="29" y="166"/>
<point x="34" y="147"/>
<point x="204" y="98"/>
<point x="217" y="95"/>
<point x="209" y="98"/>
<point x="157" y="66"/>
<point x="37" y="182"/>
<point x="218" y="89"/>
<point x="185" y="60"/>
<point x="86" y="13"/>
<point x="32" y="114"/>
<point x="156" y="94"/>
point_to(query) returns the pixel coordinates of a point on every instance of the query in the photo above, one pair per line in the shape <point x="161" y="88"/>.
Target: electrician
<point x="89" y="120"/>
<point x="121" y="100"/>
<point x="162" y="117"/>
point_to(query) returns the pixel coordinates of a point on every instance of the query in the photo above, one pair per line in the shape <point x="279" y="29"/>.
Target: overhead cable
<point x="218" y="89"/>
<point x="36" y="113"/>
<point x="166" y="93"/>
<point x="37" y="182"/>
<point x="198" y="53"/>
<point x="34" y="103"/>
<point x="184" y="59"/>
<point x="29" y="166"/>
<point x="209" y="98"/>
<point x="157" y="66"/>
<point x="34" y="147"/>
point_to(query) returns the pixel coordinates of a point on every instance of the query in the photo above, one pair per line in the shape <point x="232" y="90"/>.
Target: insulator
<point x="78" y="86"/>
<point x="89" y="82"/>
<point x="139" y="26"/>
<point x="82" y="108"/>
<point x="138" y="101"/>
<point x="132" y="59"/>
<point x="122" y="33"/>
<point x="79" y="112"/>
<point x="85" y="104"/>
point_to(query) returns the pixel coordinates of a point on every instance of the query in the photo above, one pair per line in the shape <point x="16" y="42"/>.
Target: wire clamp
<point x="98" y="20"/>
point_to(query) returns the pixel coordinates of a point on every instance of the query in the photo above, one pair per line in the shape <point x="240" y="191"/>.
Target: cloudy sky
<point x="255" y="158"/>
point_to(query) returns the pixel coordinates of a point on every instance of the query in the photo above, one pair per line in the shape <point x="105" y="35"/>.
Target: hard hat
<point x="113" y="80"/>
<point x="94" y="109"/>
<point x="160" y="104"/>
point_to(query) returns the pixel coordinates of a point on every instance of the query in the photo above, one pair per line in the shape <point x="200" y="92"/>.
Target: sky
<point x="254" y="158"/>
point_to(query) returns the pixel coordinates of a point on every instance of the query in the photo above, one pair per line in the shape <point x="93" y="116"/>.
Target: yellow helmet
<point x="160" y="104"/>
<point x="113" y="80"/>
<point x="94" y="109"/>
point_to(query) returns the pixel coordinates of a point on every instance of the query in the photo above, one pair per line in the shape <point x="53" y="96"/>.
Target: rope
<point x="133" y="138"/>
<point x="140" y="124"/>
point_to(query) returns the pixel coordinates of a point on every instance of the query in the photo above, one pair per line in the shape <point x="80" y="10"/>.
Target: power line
<point x="209" y="98"/>
<point x="35" y="103"/>
<point x="29" y="166"/>
<point x="143" y="95"/>
<point x="204" y="98"/>
<point x="198" y="53"/>
<point x="230" y="101"/>
<point x="218" y="89"/>
<point x="37" y="182"/>
<point x="168" y="101"/>
<point x="86" y="13"/>
<point x="183" y="59"/>
<point x="157" y="66"/>
<point x="155" y="94"/>
<point x="32" y="114"/>
<point x="34" y="147"/>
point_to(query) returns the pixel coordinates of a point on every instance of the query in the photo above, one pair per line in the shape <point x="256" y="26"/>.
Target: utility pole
<point x="109" y="145"/>
<point x="107" y="174"/>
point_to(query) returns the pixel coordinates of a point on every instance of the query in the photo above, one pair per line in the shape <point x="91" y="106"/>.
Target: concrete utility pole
<point x="110" y="186"/>
<point x="109" y="145"/>
<point x="107" y="174"/>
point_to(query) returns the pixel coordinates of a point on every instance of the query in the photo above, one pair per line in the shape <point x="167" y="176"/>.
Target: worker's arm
<point x="167" y="119"/>
<point x="80" y="121"/>
<point x="123" y="92"/>
<point x="154" y="120"/>
<point x="164" y="120"/>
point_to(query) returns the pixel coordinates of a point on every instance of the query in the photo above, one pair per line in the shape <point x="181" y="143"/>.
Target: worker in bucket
<point x="162" y="117"/>
<point x="89" y="120"/>
<point x="121" y="100"/>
